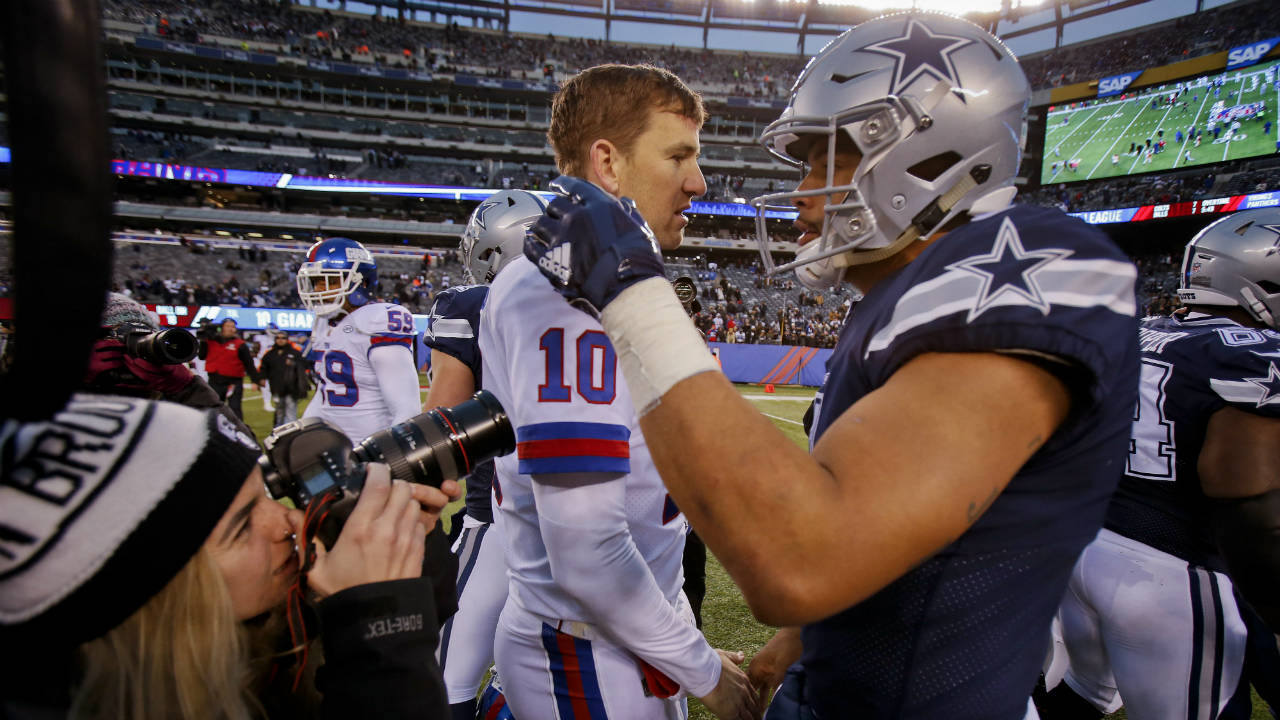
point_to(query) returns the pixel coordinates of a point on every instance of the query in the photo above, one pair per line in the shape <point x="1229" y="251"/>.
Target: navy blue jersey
<point x="963" y="634"/>
<point x="453" y="327"/>
<point x="1191" y="369"/>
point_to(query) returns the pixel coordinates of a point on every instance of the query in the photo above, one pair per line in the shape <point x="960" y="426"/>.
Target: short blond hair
<point x="600" y="103"/>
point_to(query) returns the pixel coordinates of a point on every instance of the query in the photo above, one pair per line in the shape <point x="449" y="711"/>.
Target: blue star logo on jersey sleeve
<point x="1009" y="269"/>
<point x="1270" y="386"/>
<point x="920" y="51"/>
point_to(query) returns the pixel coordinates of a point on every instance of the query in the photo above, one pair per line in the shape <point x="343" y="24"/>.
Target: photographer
<point x="285" y="372"/>
<point x="114" y="370"/>
<point x="227" y="361"/>
<point x="128" y="592"/>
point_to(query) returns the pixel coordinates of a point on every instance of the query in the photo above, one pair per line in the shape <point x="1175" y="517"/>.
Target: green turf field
<point x="727" y="622"/>
<point x="1097" y="133"/>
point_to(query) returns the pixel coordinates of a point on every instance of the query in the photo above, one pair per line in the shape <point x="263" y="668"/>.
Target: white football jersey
<point x="348" y="394"/>
<point x="555" y="372"/>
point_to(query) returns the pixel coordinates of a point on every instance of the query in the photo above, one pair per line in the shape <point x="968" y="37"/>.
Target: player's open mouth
<point x="806" y="233"/>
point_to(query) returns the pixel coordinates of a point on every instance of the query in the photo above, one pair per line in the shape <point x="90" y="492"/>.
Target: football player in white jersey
<point x="494" y="236"/>
<point x="362" y="350"/>
<point x="595" y="623"/>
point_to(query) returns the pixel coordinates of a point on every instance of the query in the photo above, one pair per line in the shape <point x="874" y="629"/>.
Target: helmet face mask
<point x="494" y="235"/>
<point x="936" y="108"/>
<point x="1235" y="261"/>
<point x="337" y="272"/>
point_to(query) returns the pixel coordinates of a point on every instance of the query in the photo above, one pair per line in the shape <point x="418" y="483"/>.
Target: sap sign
<point x="1116" y="84"/>
<point x="1249" y="54"/>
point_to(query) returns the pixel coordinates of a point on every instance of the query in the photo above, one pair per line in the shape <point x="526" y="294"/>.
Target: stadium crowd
<point x="451" y="48"/>
<point x="447" y="48"/>
<point x="739" y="303"/>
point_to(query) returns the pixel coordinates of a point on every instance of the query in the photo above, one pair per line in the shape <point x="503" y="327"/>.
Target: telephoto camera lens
<point x="174" y="346"/>
<point x="443" y="444"/>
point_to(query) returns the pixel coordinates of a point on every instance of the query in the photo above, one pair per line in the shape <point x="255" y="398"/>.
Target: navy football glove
<point x="591" y="245"/>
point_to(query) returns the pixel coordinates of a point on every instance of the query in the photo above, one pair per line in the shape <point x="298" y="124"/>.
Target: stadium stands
<point x="304" y="32"/>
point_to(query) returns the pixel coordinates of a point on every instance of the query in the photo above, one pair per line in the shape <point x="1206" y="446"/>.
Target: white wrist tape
<point x="656" y="342"/>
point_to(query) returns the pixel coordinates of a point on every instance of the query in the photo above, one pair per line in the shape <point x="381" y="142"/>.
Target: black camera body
<point x="173" y="346"/>
<point x="311" y="461"/>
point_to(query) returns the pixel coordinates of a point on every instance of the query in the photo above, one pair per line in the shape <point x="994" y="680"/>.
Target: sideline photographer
<point x="135" y="358"/>
<point x="227" y="361"/>
<point x="126" y="593"/>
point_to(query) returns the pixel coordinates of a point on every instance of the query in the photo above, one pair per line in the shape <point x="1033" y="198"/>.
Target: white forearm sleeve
<point x="656" y="342"/>
<point x="398" y="381"/>
<point x="594" y="559"/>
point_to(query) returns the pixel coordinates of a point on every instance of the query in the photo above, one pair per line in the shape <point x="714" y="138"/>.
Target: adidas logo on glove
<point x="556" y="262"/>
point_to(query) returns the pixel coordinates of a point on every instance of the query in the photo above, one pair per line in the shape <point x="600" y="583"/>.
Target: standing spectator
<point x="227" y="360"/>
<point x="259" y="345"/>
<point x="285" y="372"/>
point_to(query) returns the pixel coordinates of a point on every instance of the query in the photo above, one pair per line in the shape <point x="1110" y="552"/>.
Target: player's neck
<point x="866" y="277"/>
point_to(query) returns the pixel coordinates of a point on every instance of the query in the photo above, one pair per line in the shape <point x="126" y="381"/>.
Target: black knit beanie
<point x="100" y="508"/>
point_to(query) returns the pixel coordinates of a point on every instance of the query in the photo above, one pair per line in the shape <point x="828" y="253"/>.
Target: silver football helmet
<point x="935" y="105"/>
<point x="1236" y="261"/>
<point x="494" y="235"/>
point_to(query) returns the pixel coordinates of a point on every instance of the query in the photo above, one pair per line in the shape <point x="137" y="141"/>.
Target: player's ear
<point x="603" y="158"/>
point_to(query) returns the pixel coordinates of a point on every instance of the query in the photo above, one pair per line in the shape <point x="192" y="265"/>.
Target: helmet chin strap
<point x="927" y="220"/>
<point x="1258" y="307"/>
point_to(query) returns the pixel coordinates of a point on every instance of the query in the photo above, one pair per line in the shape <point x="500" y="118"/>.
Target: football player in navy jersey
<point x="1149" y="615"/>
<point x="493" y="238"/>
<point x="974" y="419"/>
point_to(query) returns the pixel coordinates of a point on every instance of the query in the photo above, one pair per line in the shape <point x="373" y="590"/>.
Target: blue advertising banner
<point x="147" y="43"/>
<point x="1116" y="84"/>
<point x="1245" y="55"/>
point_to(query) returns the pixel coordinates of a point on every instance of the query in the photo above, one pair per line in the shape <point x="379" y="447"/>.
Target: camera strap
<point x="313" y="517"/>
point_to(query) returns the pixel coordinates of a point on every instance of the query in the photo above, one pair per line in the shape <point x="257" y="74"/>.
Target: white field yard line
<point x="1159" y="124"/>
<point x="1226" y="146"/>
<point x="1195" y="123"/>
<point x="1074" y="128"/>
<point x="783" y="398"/>
<point x="1113" y="142"/>
<point x="782" y="419"/>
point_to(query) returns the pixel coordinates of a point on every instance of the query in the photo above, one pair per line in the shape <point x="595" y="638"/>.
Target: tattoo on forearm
<point x="976" y="509"/>
<point x="1035" y="442"/>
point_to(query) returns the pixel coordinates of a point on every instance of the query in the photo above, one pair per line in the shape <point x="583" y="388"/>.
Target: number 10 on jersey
<point x="594" y="361"/>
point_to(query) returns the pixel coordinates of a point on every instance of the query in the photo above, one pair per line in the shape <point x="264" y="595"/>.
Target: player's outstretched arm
<point x="452" y="382"/>
<point x="1240" y="470"/>
<point x="898" y="476"/>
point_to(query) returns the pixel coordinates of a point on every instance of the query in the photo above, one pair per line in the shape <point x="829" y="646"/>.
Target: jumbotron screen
<point x="1203" y="120"/>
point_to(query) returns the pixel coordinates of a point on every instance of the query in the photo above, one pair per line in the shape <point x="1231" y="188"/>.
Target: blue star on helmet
<point x="1009" y="269"/>
<point x="483" y="209"/>
<point x="920" y="51"/>
<point x="1275" y="247"/>
<point x="1270" y="386"/>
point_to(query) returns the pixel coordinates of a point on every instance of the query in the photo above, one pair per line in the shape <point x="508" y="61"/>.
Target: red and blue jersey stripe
<point x="390" y="340"/>
<point x="573" y="676"/>
<point x="563" y="447"/>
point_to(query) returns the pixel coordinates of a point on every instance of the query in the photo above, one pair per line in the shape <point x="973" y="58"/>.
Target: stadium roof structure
<point x="800" y="17"/>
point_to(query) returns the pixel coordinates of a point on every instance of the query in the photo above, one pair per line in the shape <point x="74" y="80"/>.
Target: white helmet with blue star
<point x="935" y="105"/>
<point x="1236" y="261"/>
<point x="494" y="235"/>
